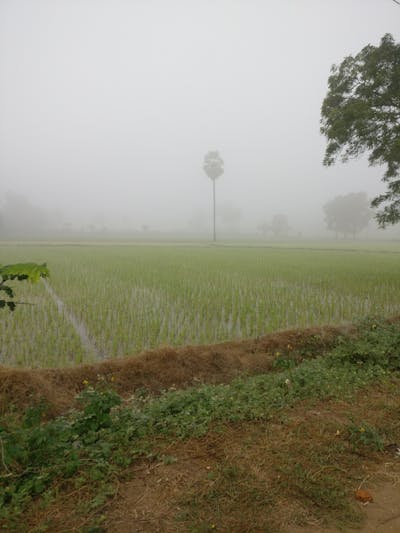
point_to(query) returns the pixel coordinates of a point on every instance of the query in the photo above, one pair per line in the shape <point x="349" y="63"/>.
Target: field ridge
<point x="159" y="369"/>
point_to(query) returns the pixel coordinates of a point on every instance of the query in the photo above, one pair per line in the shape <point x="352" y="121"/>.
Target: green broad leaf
<point x="4" y="303"/>
<point x="8" y="290"/>
<point x="30" y="271"/>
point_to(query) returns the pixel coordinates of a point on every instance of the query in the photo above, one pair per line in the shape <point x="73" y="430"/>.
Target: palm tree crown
<point x="213" y="165"/>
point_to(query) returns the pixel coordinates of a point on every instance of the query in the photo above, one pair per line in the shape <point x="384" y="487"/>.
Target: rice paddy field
<point x="112" y="300"/>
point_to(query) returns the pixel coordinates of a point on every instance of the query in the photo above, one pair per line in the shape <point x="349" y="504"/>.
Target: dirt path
<point x="381" y="516"/>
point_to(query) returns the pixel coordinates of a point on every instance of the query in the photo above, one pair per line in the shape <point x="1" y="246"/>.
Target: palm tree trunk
<point x="214" y="230"/>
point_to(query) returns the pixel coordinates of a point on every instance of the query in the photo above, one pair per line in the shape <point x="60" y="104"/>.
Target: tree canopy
<point x="361" y="113"/>
<point x="348" y="214"/>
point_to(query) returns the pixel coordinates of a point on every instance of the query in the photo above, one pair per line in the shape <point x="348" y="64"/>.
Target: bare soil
<point x="382" y="515"/>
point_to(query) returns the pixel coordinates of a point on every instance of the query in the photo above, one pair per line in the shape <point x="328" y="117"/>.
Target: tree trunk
<point x="214" y="230"/>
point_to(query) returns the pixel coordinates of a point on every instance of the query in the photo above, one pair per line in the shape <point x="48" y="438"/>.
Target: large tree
<point x="348" y="214"/>
<point x="213" y="166"/>
<point x="361" y="113"/>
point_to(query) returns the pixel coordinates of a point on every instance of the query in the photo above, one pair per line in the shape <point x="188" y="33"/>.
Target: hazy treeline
<point x="344" y="216"/>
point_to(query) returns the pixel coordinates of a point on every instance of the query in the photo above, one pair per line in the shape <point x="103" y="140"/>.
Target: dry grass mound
<point x="159" y="369"/>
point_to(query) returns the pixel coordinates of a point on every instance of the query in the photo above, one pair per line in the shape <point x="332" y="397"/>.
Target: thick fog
<point x="107" y="109"/>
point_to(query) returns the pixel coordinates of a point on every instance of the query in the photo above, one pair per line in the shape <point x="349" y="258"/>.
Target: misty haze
<point x="108" y="108"/>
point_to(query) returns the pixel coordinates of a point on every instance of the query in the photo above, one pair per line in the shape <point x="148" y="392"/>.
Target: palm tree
<point x="214" y="168"/>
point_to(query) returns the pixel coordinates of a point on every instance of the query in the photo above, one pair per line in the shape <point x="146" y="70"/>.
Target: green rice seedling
<point x="130" y="298"/>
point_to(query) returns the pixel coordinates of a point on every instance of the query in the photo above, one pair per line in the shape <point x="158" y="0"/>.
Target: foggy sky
<point x="108" y="107"/>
